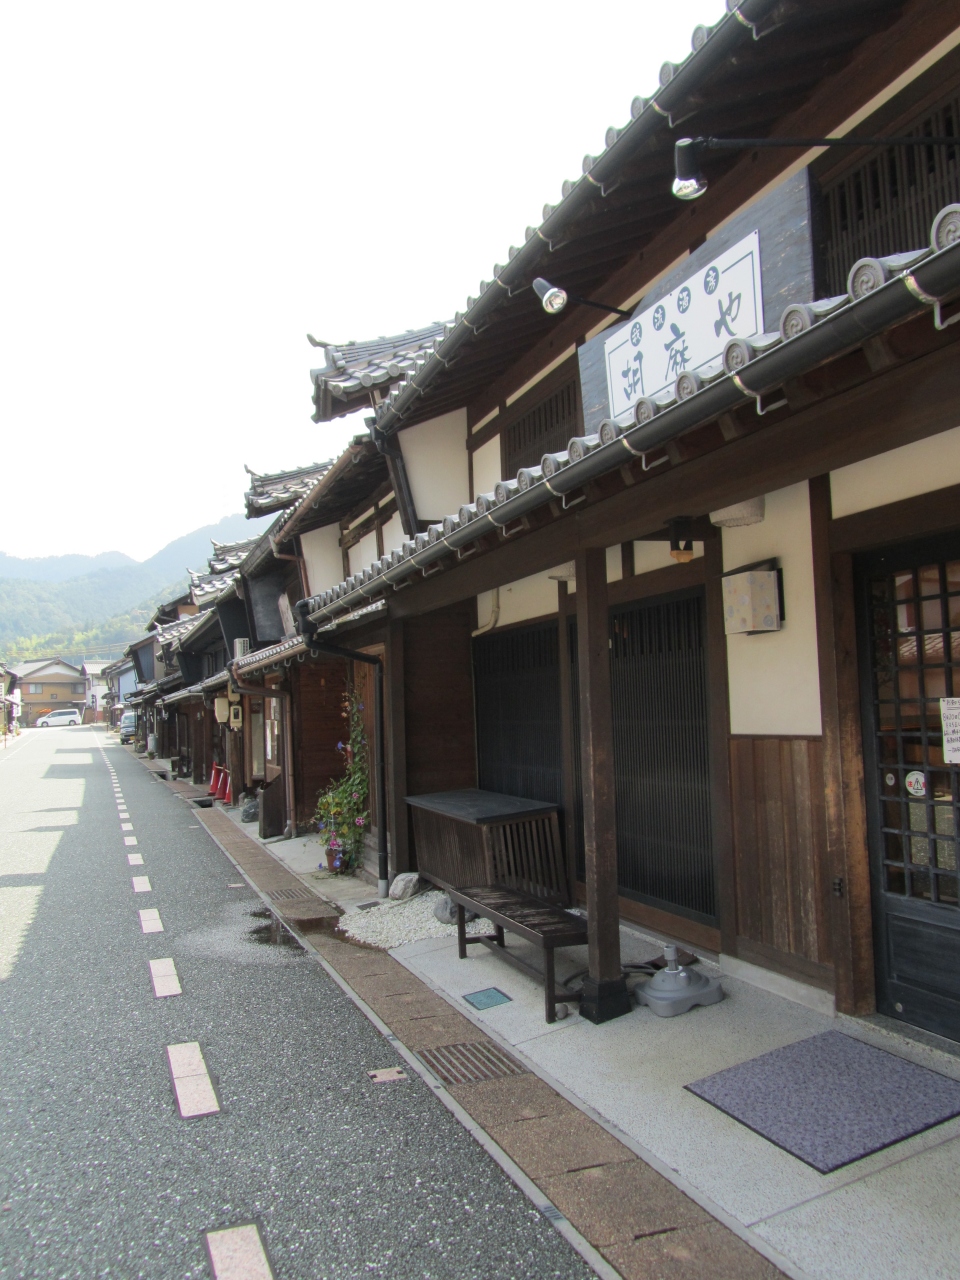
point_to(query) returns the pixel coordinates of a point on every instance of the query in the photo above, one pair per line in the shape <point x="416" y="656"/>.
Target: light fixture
<point x="689" y="182"/>
<point x="554" y="299"/>
<point x="681" y="544"/>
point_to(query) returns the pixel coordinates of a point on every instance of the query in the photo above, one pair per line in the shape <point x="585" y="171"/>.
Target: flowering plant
<point x="341" y="813"/>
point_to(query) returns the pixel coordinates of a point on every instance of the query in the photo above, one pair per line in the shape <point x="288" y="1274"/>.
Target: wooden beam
<point x="927" y="513"/>
<point x="567" y="748"/>
<point x="848" y="861"/>
<point x="396" y="746"/>
<point x="605" y="993"/>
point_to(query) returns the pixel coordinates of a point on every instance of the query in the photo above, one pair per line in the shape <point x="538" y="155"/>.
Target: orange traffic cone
<point x="228" y="798"/>
<point x="222" y="784"/>
<point x="214" y="780"/>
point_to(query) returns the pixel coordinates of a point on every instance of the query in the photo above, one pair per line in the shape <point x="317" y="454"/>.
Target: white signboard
<point x="688" y="328"/>
<point x="950" y="721"/>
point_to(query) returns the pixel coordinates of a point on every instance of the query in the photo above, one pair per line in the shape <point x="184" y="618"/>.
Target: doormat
<point x="488" y="998"/>
<point x="830" y="1100"/>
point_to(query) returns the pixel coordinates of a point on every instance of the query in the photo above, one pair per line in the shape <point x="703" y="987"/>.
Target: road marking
<point x="237" y="1253"/>
<point x="163" y="974"/>
<point x="150" y="921"/>
<point x="141" y="884"/>
<point x="126" y="826"/>
<point x="135" y="859"/>
<point x="129" y="839"/>
<point x="236" y="886"/>
<point x="191" y="1083"/>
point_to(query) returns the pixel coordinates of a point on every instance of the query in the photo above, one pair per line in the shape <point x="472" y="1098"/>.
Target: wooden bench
<point x="501" y="857"/>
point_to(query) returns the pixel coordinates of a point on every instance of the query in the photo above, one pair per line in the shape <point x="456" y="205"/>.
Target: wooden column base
<point x="604" y="1001"/>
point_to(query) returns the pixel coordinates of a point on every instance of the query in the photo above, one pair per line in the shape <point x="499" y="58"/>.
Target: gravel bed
<point x="391" y="924"/>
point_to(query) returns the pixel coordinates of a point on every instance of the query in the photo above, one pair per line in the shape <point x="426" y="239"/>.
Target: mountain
<point x="60" y="568"/>
<point x="38" y="608"/>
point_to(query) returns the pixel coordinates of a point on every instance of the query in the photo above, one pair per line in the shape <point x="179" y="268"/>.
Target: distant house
<point x="47" y="684"/>
<point x="96" y="689"/>
<point x="121" y="681"/>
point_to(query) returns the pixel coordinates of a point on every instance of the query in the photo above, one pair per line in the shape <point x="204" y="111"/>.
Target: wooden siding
<point x="438" y="697"/>
<point x="779" y="834"/>
<point x="318" y="690"/>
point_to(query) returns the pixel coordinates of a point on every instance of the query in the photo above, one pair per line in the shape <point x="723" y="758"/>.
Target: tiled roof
<point x="227" y="555"/>
<point x="170" y="631"/>
<point x="354" y="369"/>
<point x="270" y="493"/>
<point x="881" y="294"/>
<point x="207" y="586"/>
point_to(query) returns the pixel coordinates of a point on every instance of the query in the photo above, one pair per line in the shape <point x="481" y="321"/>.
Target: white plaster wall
<point x="393" y="535"/>
<point x="614" y="563"/>
<point x="774" y="680"/>
<point x="436" y="456"/>
<point x="364" y="553"/>
<point x="901" y="473"/>
<point x="532" y="597"/>
<point x="486" y="467"/>
<point x="322" y="557"/>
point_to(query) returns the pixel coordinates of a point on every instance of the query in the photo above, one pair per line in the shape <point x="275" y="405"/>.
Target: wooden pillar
<point x="605" y="993"/>
<point x="394" y="724"/>
<point x="718" y="731"/>
<point x="848" y="859"/>
<point x="567" y="745"/>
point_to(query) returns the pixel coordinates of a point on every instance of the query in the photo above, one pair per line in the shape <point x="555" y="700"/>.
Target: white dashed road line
<point x="150" y="921"/>
<point x="141" y="884"/>
<point x="237" y="1253"/>
<point x="126" y="826"/>
<point x="129" y="839"/>
<point x="191" y="1083"/>
<point x="135" y="859"/>
<point x="163" y="974"/>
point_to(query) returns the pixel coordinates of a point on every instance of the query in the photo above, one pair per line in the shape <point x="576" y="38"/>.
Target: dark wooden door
<point x="910" y="660"/>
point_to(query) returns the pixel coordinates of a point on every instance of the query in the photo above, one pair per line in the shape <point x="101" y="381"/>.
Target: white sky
<point x="191" y="188"/>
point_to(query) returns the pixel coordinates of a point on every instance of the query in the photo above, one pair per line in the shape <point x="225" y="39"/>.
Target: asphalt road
<point x="100" y="1176"/>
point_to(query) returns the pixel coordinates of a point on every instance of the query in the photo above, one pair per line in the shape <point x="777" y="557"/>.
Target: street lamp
<point x="689" y="182"/>
<point x="554" y="299"/>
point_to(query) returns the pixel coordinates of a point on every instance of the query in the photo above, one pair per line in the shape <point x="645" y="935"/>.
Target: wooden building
<point x="692" y="570"/>
<point x="48" y="684"/>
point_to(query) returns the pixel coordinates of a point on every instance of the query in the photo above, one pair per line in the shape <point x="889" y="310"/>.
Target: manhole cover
<point x="289" y="895"/>
<point x="471" y="1063"/>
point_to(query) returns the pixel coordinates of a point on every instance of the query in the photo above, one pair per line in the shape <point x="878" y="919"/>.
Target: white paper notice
<point x="950" y="720"/>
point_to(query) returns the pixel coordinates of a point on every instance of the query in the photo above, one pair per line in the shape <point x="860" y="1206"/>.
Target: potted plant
<point x="341" y="813"/>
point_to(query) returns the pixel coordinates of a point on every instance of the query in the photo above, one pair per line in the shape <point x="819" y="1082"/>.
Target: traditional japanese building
<point x="680" y="497"/>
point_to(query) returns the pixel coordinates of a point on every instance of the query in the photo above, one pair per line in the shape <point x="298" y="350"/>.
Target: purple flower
<point x="359" y="822"/>
<point x="356" y="795"/>
<point x="339" y="746"/>
<point x="360" y="707"/>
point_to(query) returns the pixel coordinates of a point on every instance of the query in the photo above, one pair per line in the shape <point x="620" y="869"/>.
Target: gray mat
<point x="831" y="1099"/>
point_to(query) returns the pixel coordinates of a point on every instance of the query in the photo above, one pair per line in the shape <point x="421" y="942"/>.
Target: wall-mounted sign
<point x="950" y="723"/>
<point x="916" y="784"/>
<point x="688" y="328"/>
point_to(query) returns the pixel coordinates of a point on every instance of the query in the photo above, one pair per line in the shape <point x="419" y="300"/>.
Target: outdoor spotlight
<point x="689" y="184"/>
<point x="553" y="299"/>
<point x="681" y="546"/>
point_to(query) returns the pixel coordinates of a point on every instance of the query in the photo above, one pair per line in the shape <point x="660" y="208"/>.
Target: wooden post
<point x="567" y="747"/>
<point x="605" y="993"/>
<point x="396" y="747"/>
<point x="848" y="860"/>
<point x="718" y="729"/>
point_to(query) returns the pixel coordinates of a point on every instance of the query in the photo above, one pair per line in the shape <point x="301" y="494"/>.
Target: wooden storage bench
<point x="501" y="857"/>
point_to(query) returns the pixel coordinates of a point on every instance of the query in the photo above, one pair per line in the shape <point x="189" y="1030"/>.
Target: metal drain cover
<point x="289" y="895"/>
<point x="470" y="1063"/>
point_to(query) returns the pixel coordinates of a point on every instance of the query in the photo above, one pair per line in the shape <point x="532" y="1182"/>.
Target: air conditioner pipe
<point x="929" y="280"/>
<point x="261" y="691"/>
<point x="379" y="756"/>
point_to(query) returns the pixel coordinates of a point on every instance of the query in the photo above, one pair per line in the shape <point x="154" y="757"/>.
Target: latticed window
<point x="545" y="428"/>
<point x="887" y="203"/>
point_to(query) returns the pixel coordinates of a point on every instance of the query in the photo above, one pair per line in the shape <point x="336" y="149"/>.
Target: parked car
<point x="66" y="715"/>
<point x="128" y="726"/>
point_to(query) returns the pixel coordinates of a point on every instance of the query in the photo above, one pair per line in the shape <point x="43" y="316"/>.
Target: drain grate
<point x="289" y="895"/>
<point x="471" y="1063"/>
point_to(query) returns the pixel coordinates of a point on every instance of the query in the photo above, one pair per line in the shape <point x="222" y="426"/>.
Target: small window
<point x="34" y="688"/>
<point x="78" y="688"/>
